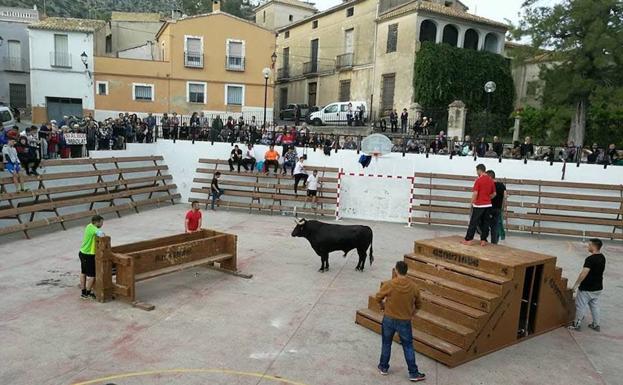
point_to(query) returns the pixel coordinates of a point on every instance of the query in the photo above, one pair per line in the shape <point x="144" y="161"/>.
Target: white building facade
<point x="61" y="64"/>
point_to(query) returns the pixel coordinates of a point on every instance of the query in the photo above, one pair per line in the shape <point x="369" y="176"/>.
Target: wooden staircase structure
<point x="476" y="300"/>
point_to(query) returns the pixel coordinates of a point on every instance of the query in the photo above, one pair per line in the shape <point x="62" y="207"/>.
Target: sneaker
<point x="594" y="327"/>
<point x="417" y="377"/>
<point x="577" y="327"/>
<point x="84" y="295"/>
<point x="383" y="372"/>
<point x="90" y="295"/>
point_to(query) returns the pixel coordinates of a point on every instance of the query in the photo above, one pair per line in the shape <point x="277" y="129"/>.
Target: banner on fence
<point x="75" y="138"/>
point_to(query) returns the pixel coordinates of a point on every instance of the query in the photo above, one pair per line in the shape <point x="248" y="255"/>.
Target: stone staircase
<point x="476" y="300"/>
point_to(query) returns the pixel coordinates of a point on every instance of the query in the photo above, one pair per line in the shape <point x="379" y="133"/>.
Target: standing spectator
<point x="289" y="162"/>
<point x="150" y="121"/>
<point x="349" y="115"/>
<point x="612" y="154"/>
<point x="235" y="157"/>
<point x="527" y="148"/>
<point x="297" y="115"/>
<point x="26" y="155"/>
<point x="195" y="125"/>
<point x="300" y="174"/>
<point x="498" y="147"/>
<point x="253" y="134"/>
<point x="482" y="193"/>
<point x="482" y="148"/>
<point x="393" y="120"/>
<point x="217" y="127"/>
<point x="11" y="161"/>
<point x="193" y="218"/>
<point x="497" y="207"/>
<point x="34" y="148"/>
<point x="175" y="125"/>
<point x="329" y="143"/>
<point x="87" y="256"/>
<point x="436" y="145"/>
<point x="589" y="286"/>
<point x="425" y="126"/>
<point x="44" y="132"/>
<point x="215" y="189"/>
<point x="271" y="157"/>
<point x="249" y="158"/>
<point x="53" y="143"/>
<point x="349" y="144"/>
<point x="312" y="188"/>
<point x="571" y="152"/>
<point x="399" y="299"/>
<point x="404" y="120"/>
<point x="165" y="123"/>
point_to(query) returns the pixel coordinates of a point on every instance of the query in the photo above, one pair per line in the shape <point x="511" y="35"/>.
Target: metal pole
<point x="488" y="114"/>
<point x="265" y="98"/>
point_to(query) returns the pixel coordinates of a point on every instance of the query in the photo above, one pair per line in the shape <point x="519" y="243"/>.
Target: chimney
<point x="216" y="6"/>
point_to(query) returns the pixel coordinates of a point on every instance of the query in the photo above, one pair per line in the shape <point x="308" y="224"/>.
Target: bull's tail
<point x="371" y="256"/>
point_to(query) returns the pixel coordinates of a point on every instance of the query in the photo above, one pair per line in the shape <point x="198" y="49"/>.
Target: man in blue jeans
<point x="399" y="298"/>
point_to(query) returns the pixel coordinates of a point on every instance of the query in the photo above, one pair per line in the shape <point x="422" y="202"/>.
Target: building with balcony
<point x="211" y="62"/>
<point x="61" y="65"/>
<point x="14" y="58"/>
<point x="274" y="14"/>
<point x="366" y="50"/>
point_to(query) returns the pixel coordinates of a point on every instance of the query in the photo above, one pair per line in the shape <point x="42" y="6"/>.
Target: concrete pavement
<point x="287" y="325"/>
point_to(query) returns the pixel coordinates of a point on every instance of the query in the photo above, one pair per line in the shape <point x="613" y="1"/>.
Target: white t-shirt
<point x="299" y="168"/>
<point x="249" y="154"/>
<point x="312" y="183"/>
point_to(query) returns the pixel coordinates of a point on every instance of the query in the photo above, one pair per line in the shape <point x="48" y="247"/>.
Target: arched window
<point x="471" y="39"/>
<point x="428" y="31"/>
<point x="450" y="35"/>
<point x="491" y="43"/>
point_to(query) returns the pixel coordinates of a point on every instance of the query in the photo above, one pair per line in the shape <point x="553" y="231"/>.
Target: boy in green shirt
<point x="87" y="256"/>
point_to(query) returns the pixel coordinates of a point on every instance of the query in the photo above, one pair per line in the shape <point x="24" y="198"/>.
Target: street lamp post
<point x="266" y="72"/>
<point x="489" y="89"/>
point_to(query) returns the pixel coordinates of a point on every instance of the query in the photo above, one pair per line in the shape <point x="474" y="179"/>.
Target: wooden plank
<point x="82" y="161"/>
<point x="566" y="219"/>
<point x="442" y="209"/>
<point x="180" y="267"/>
<point x="85" y="174"/>
<point x="228" y="182"/>
<point x="557" y="207"/>
<point x="497" y="279"/>
<point x="441" y="198"/>
<point x="211" y="171"/>
<point x="262" y="195"/>
<point x="257" y="206"/>
<point x="307" y="166"/>
<point x="443" y="328"/>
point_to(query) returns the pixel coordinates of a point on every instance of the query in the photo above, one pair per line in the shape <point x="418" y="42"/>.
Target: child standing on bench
<point x="11" y="161"/>
<point x="87" y="256"/>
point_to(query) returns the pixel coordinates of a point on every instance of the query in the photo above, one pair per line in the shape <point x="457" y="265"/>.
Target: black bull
<point x="325" y="238"/>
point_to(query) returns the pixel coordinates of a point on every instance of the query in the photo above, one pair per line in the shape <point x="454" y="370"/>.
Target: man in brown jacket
<point x="398" y="299"/>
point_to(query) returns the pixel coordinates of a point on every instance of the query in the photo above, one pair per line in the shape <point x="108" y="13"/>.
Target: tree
<point x="586" y="37"/>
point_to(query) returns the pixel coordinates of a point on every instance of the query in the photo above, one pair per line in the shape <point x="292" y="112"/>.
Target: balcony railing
<point x="283" y="73"/>
<point x="60" y="59"/>
<point x="193" y="59"/>
<point x="344" y="61"/>
<point x="15" y="64"/>
<point x="310" y="68"/>
<point x="234" y="63"/>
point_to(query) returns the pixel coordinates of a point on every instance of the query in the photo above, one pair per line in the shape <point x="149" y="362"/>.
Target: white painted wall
<point x="51" y="81"/>
<point x="361" y="197"/>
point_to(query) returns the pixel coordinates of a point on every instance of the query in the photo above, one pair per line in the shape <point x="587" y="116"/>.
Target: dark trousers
<point x="389" y="327"/>
<point x="394" y="124"/>
<point x="246" y="162"/>
<point x="479" y="219"/>
<point x="494" y="222"/>
<point x="297" y="179"/>
<point x="232" y="162"/>
<point x="289" y="165"/>
<point x="268" y="163"/>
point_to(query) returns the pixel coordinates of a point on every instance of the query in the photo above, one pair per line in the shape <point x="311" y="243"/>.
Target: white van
<point x="336" y="113"/>
<point x="6" y="117"/>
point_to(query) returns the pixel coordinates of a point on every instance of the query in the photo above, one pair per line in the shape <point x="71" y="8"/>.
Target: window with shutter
<point x="143" y="92"/>
<point x="235" y="55"/>
<point x="235" y="95"/>
<point x="387" y="92"/>
<point x="196" y="92"/>
<point x="344" y="90"/>
<point x="392" y="37"/>
<point x="193" y="57"/>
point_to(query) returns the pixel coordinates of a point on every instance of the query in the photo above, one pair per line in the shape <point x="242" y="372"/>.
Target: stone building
<point x="274" y="14"/>
<point x="14" y="56"/>
<point x="129" y="30"/>
<point x="366" y="50"/>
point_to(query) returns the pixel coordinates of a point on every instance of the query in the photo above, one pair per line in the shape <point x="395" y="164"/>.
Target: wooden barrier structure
<point x="476" y="300"/>
<point x="144" y="260"/>
<point x="71" y="191"/>
<point x="535" y="206"/>
<point x="258" y="187"/>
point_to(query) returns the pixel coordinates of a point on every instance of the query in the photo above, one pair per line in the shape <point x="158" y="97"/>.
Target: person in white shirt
<point x="249" y="158"/>
<point x="312" y="188"/>
<point x="300" y="174"/>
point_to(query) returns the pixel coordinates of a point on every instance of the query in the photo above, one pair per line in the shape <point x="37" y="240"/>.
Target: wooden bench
<point x="52" y="193"/>
<point x="548" y="207"/>
<point x="149" y="259"/>
<point x="254" y="190"/>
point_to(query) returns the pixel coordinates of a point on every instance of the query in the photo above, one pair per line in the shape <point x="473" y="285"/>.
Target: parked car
<point x="6" y="117"/>
<point x="288" y="112"/>
<point x="337" y="113"/>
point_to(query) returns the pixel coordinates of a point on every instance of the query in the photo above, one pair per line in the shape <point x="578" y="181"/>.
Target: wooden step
<point x="493" y="259"/>
<point x="180" y="267"/>
<point x="498" y="279"/>
<point x="443" y="328"/>
<point x="457" y="292"/>
<point x="424" y="343"/>
<point x="453" y="275"/>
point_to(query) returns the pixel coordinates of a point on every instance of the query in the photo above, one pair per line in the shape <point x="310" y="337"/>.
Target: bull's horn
<point x="299" y="221"/>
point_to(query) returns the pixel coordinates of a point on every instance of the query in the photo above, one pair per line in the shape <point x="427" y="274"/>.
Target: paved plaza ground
<point x="289" y="324"/>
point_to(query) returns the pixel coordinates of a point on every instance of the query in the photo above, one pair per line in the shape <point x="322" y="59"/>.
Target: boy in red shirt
<point x="193" y="218"/>
<point x="482" y="193"/>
